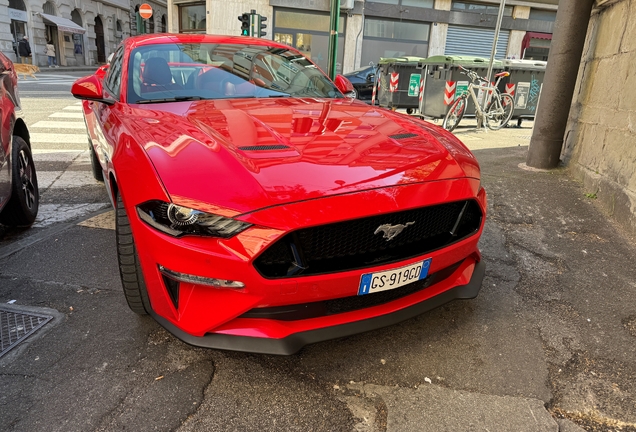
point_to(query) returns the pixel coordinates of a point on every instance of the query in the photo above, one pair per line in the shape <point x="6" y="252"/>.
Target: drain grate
<point x="16" y="326"/>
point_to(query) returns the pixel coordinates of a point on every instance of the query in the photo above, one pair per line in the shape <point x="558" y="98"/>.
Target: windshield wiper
<point x="172" y="99"/>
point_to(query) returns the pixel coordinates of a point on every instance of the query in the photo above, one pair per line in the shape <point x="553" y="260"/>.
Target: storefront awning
<point x="63" y="24"/>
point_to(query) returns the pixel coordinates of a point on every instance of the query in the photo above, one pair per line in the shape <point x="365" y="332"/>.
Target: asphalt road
<point x="548" y="345"/>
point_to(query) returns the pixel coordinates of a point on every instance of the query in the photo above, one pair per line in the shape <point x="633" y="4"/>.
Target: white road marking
<point x="49" y="214"/>
<point x="58" y="125"/>
<point x="103" y="221"/>
<point x="59" y="138"/>
<point x="73" y="108"/>
<point x="53" y="154"/>
<point x="72" y="115"/>
<point x="66" y="179"/>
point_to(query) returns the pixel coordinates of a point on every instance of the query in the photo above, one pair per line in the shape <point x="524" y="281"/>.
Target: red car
<point x="258" y="209"/>
<point x="19" y="195"/>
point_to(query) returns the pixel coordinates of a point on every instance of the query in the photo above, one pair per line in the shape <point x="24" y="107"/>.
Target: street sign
<point x="145" y="11"/>
<point x="414" y="84"/>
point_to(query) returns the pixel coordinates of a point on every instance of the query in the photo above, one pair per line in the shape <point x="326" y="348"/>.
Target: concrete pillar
<point x="516" y="36"/>
<point x="173" y="17"/>
<point x="352" y="44"/>
<point x="439" y="31"/>
<point x="443" y="4"/>
<point x="437" y="41"/>
<point x="570" y="30"/>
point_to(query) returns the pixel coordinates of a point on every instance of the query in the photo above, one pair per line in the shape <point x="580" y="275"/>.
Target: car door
<point x="97" y="117"/>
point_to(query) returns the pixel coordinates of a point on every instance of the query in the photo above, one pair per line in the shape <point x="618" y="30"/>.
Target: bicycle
<point x="498" y="111"/>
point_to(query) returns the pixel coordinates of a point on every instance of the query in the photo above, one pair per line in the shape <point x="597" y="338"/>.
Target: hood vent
<point x="403" y="136"/>
<point x="264" y="147"/>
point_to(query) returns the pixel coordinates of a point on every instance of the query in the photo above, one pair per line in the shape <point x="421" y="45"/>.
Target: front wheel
<point x="455" y="114"/>
<point x="22" y="208"/>
<point x="132" y="279"/>
<point x="499" y="111"/>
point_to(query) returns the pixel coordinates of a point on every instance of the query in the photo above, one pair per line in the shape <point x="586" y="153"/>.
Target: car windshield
<point x="193" y="71"/>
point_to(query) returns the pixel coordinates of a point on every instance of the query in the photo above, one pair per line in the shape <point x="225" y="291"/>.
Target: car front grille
<point x="360" y="243"/>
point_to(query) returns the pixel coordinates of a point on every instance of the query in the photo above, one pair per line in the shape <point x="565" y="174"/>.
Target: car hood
<point x="247" y="154"/>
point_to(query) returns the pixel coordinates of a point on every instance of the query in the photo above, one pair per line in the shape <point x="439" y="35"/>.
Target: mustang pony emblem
<point x="391" y="231"/>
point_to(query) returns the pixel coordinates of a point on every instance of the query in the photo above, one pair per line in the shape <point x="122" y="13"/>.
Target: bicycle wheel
<point x="455" y="114"/>
<point x="499" y="111"/>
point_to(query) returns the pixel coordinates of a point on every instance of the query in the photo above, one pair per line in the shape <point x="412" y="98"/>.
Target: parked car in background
<point x="259" y="209"/>
<point x="363" y="81"/>
<point x="19" y="195"/>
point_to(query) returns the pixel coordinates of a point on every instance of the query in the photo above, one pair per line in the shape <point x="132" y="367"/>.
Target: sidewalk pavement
<point x="87" y="69"/>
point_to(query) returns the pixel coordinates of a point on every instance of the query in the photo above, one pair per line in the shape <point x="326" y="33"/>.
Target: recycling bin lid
<point x="407" y="59"/>
<point x="459" y="60"/>
<point x="525" y="64"/>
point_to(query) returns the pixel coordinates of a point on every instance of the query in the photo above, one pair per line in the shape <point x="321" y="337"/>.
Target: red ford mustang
<point x="259" y="209"/>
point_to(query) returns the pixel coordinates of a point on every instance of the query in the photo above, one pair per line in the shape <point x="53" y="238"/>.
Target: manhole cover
<point x="16" y="326"/>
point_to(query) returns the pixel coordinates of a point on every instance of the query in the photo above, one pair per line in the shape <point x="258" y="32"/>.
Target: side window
<point x="113" y="79"/>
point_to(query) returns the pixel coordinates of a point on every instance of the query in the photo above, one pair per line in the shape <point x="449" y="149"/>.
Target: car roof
<point x="166" y="38"/>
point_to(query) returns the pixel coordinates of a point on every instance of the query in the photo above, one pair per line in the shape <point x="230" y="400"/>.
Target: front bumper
<point x="293" y="343"/>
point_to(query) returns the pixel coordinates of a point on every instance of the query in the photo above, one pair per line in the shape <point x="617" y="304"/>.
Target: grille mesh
<point x="264" y="147"/>
<point x="352" y="244"/>
<point x="403" y="136"/>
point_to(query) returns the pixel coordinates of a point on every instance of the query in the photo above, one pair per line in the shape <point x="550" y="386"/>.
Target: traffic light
<point x="245" y="24"/>
<point x="261" y="26"/>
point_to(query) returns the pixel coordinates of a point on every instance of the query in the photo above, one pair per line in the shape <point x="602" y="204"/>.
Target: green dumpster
<point x="444" y="82"/>
<point x="524" y="84"/>
<point x="399" y="83"/>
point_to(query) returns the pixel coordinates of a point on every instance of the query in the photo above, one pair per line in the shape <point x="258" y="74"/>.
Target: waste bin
<point x="399" y="83"/>
<point x="444" y="82"/>
<point x="524" y="85"/>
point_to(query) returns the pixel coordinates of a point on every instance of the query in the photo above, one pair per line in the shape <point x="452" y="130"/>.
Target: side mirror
<point x="344" y="85"/>
<point x="101" y="71"/>
<point x="90" y="88"/>
<point x="370" y="77"/>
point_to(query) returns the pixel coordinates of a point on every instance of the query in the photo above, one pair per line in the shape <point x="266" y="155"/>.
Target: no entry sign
<point x="145" y="11"/>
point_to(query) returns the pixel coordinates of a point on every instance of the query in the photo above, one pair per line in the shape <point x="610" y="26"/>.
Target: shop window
<point x="542" y="15"/>
<point x="192" y="18"/>
<point x="481" y="8"/>
<point x="415" y="31"/>
<point x="411" y="3"/>
<point x="49" y="8"/>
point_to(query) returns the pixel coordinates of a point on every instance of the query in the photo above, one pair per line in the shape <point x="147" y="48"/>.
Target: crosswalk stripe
<point x="66" y="168"/>
<point x="59" y="125"/>
<point x="72" y="115"/>
<point x="58" y="138"/>
<point x="48" y="214"/>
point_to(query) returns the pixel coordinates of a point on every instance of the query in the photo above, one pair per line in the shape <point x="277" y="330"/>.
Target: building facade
<point x="372" y="29"/>
<point x="83" y="32"/>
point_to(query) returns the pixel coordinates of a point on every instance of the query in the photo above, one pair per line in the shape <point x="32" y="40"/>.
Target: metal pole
<point x="568" y="40"/>
<point x="333" y="38"/>
<point x="493" y="52"/>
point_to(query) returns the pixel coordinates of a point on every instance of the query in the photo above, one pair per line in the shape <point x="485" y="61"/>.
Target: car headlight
<point x="177" y="220"/>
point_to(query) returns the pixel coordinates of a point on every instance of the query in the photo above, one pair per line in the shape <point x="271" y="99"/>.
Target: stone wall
<point x="600" y="140"/>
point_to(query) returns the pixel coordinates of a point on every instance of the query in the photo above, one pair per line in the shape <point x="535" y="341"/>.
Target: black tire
<point x="132" y="280"/>
<point x="22" y="208"/>
<point x="98" y="174"/>
<point x="455" y="114"/>
<point x="410" y="111"/>
<point x="507" y="107"/>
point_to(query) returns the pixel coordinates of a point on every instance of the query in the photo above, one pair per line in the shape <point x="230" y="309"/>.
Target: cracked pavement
<point x="549" y="344"/>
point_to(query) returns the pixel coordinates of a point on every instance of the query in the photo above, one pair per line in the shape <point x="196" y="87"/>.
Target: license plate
<point x="391" y="279"/>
